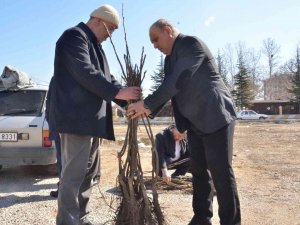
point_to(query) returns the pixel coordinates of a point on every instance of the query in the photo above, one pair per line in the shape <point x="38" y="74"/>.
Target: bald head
<point x="161" y="24"/>
<point x="163" y="35"/>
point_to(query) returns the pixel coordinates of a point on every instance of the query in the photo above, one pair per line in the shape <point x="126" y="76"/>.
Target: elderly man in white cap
<point x="80" y="109"/>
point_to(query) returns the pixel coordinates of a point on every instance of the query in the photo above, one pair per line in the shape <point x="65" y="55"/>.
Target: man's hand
<point x="129" y="93"/>
<point x="137" y="109"/>
<point x="166" y="176"/>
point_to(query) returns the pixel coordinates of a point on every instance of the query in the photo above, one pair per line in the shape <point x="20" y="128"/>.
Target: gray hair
<point x="161" y="23"/>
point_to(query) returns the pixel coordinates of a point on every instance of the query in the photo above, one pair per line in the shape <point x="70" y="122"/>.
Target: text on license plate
<point x="8" y="136"/>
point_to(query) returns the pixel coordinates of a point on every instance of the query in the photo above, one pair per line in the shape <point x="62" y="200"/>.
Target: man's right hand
<point x="129" y="93"/>
<point x="166" y="176"/>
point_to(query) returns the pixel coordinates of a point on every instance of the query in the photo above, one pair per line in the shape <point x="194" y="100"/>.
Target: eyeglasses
<point x="109" y="27"/>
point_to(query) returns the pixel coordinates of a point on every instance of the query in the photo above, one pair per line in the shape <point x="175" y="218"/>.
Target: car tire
<point x="262" y="118"/>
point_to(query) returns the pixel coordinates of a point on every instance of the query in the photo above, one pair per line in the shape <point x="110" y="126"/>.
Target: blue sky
<point x="30" y="28"/>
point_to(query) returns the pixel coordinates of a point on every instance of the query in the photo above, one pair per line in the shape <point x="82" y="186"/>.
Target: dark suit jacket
<point x="199" y="96"/>
<point x="83" y="87"/>
<point x="165" y="147"/>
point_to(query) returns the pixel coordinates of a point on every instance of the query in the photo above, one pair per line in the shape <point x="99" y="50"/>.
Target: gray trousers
<point x="80" y="163"/>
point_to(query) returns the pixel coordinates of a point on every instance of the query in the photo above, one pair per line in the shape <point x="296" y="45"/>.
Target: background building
<point x="276" y="88"/>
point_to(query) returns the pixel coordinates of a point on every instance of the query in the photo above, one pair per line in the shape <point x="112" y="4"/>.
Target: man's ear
<point x="168" y="30"/>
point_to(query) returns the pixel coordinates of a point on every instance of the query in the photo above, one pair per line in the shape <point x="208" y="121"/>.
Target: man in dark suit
<point x="80" y="111"/>
<point x="203" y="106"/>
<point x="172" y="150"/>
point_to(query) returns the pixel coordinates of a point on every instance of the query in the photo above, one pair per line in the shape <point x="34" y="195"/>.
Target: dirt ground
<point x="267" y="168"/>
<point x="266" y="163"/>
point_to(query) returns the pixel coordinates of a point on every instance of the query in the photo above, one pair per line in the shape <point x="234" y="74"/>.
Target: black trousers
<point x="211" y="159"/>
<point x="180" y="169"/>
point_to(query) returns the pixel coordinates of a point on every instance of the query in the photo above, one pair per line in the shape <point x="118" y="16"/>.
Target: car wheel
<point x="261" y="118"/>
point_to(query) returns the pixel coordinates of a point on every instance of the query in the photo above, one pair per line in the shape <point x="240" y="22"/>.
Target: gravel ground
<point x="24" y="199"/>
<point x="266" y="162"/>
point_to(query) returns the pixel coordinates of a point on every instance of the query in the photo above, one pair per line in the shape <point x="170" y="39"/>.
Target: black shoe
<point x="87" y="223"/>
<point x="200" y="223"/>
<point x="54" y="194"/>
<point x="96" y="180"/>
<point x="194" y="221"/>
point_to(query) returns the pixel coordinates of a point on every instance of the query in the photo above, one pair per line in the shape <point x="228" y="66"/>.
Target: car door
<point x="246" y="115"/>
<point x="252" y="115"/>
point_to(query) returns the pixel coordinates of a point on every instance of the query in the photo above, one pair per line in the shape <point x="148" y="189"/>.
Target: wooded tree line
<point x="243" y="70"/>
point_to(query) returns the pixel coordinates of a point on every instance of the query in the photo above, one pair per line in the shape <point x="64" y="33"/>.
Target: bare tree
<point x="222" y="68"/>
<point x="295" y="90"/>
<point x="251" y="61"/>
<point x="230" y="63"/>
<point x="271" y="50"/>
<point x="288" y="67"/>
<point x="255" y="70"/>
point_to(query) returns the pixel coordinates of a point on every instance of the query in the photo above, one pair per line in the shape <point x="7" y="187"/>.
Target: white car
<point x="24" y="133"/>
<point x="250" y="115"/>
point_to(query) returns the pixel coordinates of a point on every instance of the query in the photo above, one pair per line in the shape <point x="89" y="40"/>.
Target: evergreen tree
<point x="242" y="93"/>
<point x="296" y="80"/>
<point x="158" y="76"/>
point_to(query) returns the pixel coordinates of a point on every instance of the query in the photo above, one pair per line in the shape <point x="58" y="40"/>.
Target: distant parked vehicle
<point x="250" y="115"/>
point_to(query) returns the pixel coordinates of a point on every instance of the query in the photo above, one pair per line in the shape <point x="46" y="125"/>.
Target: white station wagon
<point x="24" y="134"/>
<point x="250" y="115"/>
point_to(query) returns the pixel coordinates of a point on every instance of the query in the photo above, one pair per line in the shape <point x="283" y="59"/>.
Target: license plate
<point x="8" y="136"/>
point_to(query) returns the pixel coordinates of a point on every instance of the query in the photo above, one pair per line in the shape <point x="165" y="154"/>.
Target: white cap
<point x="108" y="14"/>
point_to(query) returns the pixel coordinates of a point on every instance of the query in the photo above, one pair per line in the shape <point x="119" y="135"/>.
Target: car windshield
<point x="22" y="102"/>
